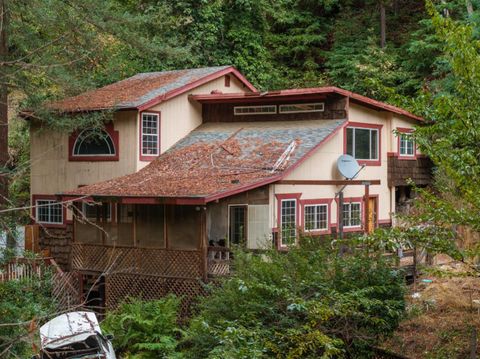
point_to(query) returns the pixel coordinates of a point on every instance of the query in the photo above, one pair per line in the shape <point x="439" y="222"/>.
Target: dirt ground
<point x="443" y="310"/>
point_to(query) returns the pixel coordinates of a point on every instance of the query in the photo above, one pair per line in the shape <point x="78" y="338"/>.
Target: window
<point x="352" y="214"/>
<point x="362" y="143"/>
<point x="49" y="212"/>
<point x="288" y="221"/>
<point x="302" y="107"/>
<point x="316" y="217"/>
<point x="93" y="143"/>
<point x="150" y="134"/>
<point x="254" y="110"/>
<point x="407" y="145"/>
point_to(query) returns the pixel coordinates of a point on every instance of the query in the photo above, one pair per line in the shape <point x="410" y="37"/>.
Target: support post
<point x="203" y="243"/>
<point x="340" y="215"/>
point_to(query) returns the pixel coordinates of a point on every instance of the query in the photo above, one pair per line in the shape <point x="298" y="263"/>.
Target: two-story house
<point x="189" y="168"/>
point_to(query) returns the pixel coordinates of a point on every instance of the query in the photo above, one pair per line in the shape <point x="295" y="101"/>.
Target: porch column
<point x="204" y="243"/>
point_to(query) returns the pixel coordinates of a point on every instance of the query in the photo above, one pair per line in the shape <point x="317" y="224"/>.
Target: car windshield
<point x="89" y="348"/>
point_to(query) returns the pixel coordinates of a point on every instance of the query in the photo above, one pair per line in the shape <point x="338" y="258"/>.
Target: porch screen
<point x="183" y="227"/>
<point x="150" y="226"/>
<point x="125" y="216"/>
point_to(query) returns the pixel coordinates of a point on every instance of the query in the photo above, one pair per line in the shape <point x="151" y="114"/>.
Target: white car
<point x="74" y="335"/>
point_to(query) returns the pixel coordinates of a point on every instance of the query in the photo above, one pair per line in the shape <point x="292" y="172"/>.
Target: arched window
<point x="94" y="143"/>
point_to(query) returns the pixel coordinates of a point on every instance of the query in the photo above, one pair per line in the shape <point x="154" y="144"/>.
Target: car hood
<point x="68" y="328"/>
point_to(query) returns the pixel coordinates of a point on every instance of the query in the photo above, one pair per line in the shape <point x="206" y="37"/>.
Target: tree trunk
<point x="3" y="103"/>
<point x="446" y="12"/>
<point x="383" y="26"/>
<point x="469" y="7"/>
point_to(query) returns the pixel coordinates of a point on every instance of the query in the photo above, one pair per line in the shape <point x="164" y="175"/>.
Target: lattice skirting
<point x="119" y="286"/>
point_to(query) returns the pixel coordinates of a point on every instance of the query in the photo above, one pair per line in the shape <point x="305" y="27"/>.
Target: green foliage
<point x="310" y="302"/>
<point x="145" y="329"/>
<point x="20" y="303"/>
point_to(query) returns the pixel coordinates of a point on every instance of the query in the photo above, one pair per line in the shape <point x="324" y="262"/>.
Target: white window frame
<point x="295" y="220"/>
<point x="47" y="203"/>
<point x="281" y="108"/>
<point x="157" y="134"/>
<point x="315" y="229"/>
<point x="105" y="134"/>
<point x="239" y="108"/>
<point x="369" y="143"/>
<point x="406" y="137"/>
<point x="349" y="204"/>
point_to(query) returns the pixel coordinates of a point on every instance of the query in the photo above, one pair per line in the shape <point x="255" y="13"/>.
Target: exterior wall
<point x="179" y="116"/>
<point x="335" y="108"/>
<point x="321" y="165"/>
<point x="52" y="172"/>
<point x="218" y="213"/>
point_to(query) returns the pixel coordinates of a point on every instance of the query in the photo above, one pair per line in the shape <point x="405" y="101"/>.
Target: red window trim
<point x="280" y="197"/>
<point x="402" y="130"/>
<point x="227" y="80"/>
<point x="359" y="228"/>
<point x="312" y="202"/>
<point x="140" y="142"/>
<point x="377" y="162"/>
<point x="35" y="198"/>
<point x="109" y="128"/>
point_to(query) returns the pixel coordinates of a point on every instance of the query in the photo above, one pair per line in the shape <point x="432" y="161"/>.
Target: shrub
<point x="310" y="302"/>
<point x="145" y="329"/>
<point x="21" y="302"/>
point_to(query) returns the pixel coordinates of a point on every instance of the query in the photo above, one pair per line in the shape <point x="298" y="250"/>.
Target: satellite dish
<point x="348" y="166"/>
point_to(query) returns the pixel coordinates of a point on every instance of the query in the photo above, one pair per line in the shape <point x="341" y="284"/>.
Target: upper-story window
<point x="94" y="143"/>
<point x="255" y="110"/>
<point x="301" y="107"/>
<point x="363" y="143"/>
<point x="150" y="134"/>
<point x="407" y="145"/>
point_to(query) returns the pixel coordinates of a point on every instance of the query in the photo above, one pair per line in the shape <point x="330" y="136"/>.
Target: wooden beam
<point x="330" y="182"/>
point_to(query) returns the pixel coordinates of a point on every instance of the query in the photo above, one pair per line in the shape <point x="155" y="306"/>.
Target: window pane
<point x="322" y="217"/>
<point x="362" y="143"/>
<point x="289" y="222"/>
<point x="310" y="220"/>
<point x="374" y="144"/>
<point x="350" y="141"/>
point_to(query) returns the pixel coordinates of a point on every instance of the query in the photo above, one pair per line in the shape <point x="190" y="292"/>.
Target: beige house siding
<point x="179" y="116"/>
<point x="322" y="166"/>
<point x="52" y="172"/>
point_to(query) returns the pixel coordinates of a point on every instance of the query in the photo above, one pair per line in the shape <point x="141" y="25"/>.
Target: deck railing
<point x="218" y="261"/>
<point x="133" y="260"/>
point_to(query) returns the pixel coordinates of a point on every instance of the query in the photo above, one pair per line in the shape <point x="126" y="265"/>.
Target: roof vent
<point x="235" y="181"/>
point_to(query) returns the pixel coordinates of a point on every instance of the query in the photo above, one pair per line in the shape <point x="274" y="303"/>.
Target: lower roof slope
<point x="220" y="159"/>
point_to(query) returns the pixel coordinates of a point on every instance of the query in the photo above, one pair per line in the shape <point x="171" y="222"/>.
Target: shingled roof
<point x="220" y="159"/>
<point x="144" y="90"/>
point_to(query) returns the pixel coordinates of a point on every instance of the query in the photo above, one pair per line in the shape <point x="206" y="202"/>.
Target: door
<point x="372" y="214"/>
<point x="238" y="225"/>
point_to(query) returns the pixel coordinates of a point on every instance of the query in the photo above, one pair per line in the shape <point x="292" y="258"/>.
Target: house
<point x="179" y="178"/>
